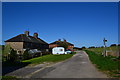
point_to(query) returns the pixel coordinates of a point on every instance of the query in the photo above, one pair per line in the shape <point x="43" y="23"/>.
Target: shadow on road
<point x="8" y="67"/>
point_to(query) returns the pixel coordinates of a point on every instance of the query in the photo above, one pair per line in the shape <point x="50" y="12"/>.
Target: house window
<point x="61" y="49"/>
<point x="19" y="52"/>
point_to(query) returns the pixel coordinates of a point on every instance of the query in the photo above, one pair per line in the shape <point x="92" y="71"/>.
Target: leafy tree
<point x="13" y="55"/>
<point x="92" y="47"/>
<point x="25" y="55"/>
<point x="102" y="46"/>
<point x="6" y="51"/>
<point x="83" y="47"/>
<point x="118" y="44"/>
<point x="113" y="45"/>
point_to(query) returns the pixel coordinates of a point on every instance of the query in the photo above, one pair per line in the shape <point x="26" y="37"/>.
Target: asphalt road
<point x="79" y="66"/>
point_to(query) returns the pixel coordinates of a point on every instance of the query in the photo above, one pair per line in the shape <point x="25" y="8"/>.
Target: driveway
<point x="78" y="66"/>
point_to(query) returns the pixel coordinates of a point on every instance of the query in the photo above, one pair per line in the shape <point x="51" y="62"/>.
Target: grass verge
<point x="105" y="64"/>
<point x="49" y="58"/>
<point x="8" y="78"/>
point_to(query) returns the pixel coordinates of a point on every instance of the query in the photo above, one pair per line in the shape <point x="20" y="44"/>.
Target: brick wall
<point x="52" y="45"/>
<point x="70" y="47"/>
<point x="15" y="45"/>
<point x="55" y="45"/>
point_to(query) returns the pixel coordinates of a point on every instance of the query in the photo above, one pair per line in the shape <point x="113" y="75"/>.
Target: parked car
<point x="68" y="52"/>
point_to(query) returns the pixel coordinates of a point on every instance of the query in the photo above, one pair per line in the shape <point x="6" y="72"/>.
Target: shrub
<point x="26" y="55"/>
<point x="73" y="52"/>
<point x="83" y="47"/>
<point x="13" y="55"/>
<point x="46" y="53"/>
<point x="113" y="45"/>
<point x="92" y="47"/>
<point x="5" y="52"/>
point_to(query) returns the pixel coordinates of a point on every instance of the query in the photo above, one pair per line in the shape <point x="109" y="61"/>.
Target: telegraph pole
<point x="104" y="53"/>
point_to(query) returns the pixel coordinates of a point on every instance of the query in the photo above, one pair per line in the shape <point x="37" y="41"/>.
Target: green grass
<point x="106" y="64"/>
<point x="100" y="50"/>
<point x="38" y="60"/>
<point x="9" y="78"/>
<point x="49" y="58"/>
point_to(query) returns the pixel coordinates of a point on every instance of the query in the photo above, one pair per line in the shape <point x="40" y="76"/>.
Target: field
<point x="108" y="64"/>
<point x="114" y="50"/>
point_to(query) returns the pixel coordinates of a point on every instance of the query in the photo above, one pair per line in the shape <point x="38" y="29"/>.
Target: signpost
<point x="104" y="53"/>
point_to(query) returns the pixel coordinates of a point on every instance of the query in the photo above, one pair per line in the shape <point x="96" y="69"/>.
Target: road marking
<point x="29" y="75"/>
<point x="83" y="62"/>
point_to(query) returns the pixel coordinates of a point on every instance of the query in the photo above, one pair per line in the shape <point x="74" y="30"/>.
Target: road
<point x="79" y="66"/>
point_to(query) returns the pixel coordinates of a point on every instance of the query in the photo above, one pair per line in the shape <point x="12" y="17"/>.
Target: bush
<point x="46" y="53"/>
<point x="13" y="55"/>
<point x="6" y="52"/>
<point x="26" y="55"/>
<point x="113" y="45"/>
<point x="73" y="53"/>
<point x="9" y="78"/>
<point x="92" y="47"/>
<point x="83" y="47"/>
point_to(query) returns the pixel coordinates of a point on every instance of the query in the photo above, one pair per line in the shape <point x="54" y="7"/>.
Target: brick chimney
<point x="59" y="39"/>
<point x="35" y="35"/>
<point x="26" y="33"/>
<point x="65" y="40"/>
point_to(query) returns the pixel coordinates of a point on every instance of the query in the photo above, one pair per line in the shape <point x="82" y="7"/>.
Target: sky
<point x="60" y="0"/>
<point x="81" y="23"/>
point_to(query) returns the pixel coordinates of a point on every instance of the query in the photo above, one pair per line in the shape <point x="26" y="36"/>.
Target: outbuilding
<point x="58" y="50"/>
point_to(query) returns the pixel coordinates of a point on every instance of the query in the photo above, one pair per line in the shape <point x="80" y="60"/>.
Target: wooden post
<point x="104" y="53"/>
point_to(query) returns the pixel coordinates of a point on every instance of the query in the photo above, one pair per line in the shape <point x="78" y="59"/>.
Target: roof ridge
<point x="13" y="37"/>
<point x="57" y="42"/>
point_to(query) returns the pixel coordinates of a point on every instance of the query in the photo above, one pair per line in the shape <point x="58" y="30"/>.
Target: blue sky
<point x="81" y="23"/>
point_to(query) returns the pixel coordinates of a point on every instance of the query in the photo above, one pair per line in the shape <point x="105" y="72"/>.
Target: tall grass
<point x="113" y="50"/>
<point x="104" y="63"/>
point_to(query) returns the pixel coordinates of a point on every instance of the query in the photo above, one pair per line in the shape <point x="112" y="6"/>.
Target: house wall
<point x="55" y="45"/>
<point x="70" y="47"/>
<point x="52" y="45"/>
<point x="29" y="45"/>
<point x="15" y="45"/>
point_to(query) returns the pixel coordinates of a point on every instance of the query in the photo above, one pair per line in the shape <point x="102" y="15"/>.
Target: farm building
<point x="24" y="41"/>
<point x="56" y="44"/>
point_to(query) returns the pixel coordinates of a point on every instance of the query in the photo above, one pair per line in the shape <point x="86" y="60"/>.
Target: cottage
<point x="56" y="44"/>
<point x="24" y="41"/>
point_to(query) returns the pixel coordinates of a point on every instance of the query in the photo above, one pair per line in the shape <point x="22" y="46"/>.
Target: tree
<point x="92" y="47"/>
<point x="118" y="44"/>
<point x="113" y="45"/>
<point x="102" y="46"/>
<point x="83" y="47"/>
<point x="6" y="51"/>
<point x="13" y="55"/>
<point x="25" y="55"/>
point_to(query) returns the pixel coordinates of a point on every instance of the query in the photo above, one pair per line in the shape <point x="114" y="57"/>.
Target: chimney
<point x="65" y="40"/>
<point x="35" y="35"/>
<point x="26" y="33"/>
<point x="59" y="39"/>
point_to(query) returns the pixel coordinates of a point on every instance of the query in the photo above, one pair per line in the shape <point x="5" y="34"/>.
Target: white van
<point x="58" y="50"/>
